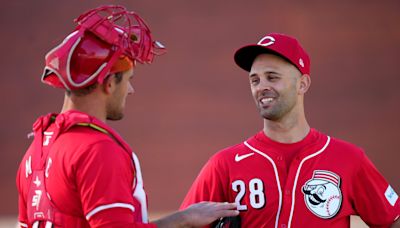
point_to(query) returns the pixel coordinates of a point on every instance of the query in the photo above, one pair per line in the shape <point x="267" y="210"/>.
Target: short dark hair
<point x="87" y="90"/>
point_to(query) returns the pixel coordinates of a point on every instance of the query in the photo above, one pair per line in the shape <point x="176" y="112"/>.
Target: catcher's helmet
<point x="107" y="39"/>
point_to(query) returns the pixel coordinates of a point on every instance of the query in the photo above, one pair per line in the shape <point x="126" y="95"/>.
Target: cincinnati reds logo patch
<point x="266" y="41"/>
<point x="322" y="194"/>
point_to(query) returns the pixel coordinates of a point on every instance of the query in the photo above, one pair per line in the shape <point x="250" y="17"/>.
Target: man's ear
<point x="109" y="84"/>
<point x="305" y="83"/>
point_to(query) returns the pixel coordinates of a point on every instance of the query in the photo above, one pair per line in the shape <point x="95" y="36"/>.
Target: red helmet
<point x="107" y="39"/>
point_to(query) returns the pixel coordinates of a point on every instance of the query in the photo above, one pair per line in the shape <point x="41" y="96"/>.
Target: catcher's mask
<point x="107" y="39"/>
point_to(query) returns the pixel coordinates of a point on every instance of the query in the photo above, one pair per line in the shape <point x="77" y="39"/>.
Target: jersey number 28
<point x="256" y="196"/>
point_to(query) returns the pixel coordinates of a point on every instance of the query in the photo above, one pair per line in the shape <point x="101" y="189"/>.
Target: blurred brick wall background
<point x="194" y="101"/>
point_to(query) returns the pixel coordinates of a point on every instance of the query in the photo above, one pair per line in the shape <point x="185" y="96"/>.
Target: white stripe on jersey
<point x="139" y="193"/>
<point x="276" y="177"/>
<point x="23" y="224"/>
<point x="109" y="206"/>
<point x="297" y="176"/>
<point x="49" y="224"/>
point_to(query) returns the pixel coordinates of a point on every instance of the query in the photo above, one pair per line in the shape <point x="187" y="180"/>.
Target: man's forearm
<point x="176" y="219"/>
<point x="198" y="215"/>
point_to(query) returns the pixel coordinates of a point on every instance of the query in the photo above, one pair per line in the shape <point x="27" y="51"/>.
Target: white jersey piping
<point x="49" y="224"/>
<point x="276" y="177"/>
<point x="109" y="206"/>
<point x="139" y="192"/>
<point x="297" y="176"/>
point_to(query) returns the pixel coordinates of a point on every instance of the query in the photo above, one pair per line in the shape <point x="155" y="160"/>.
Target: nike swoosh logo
<point x="238" y="157"/>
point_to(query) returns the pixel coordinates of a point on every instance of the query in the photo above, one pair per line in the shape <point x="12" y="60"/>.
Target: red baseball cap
<point x="275" y="43"/>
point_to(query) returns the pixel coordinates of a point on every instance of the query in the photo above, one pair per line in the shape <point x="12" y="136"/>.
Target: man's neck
<point x="286" y="131"/>
<point x="92" y="107"/>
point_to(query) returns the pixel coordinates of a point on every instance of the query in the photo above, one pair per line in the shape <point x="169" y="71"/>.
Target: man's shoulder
<point x="344" y="143"/>
<point x="233" y="148"/>
<point x="85" y="141"/>
<point x="229" y="153"/>
<point x="340" y="145"/>
<point x="84" y="135"/>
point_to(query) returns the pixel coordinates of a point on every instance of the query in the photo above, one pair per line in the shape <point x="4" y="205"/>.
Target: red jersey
<point x="327" y="181"/>
<point x="78" y="172"/>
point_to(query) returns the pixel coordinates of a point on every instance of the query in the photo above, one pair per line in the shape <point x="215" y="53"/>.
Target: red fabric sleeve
<point x="210" y="184"/>
<point x="374" y="199"/>
<point x="22" y="212"/>
<point x="104" y="179"/>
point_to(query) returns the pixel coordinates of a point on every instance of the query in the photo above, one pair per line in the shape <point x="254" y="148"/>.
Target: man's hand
<point x="204" y="213"/>
<point x="396" y="224"/>
<point x="198" y="215"/>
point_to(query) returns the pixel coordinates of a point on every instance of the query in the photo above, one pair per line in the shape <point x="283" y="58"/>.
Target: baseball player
<point x="289" y="174"/>
<point x="78" y="172"/>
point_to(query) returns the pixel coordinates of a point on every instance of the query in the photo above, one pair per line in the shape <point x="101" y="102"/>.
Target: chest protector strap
<point x="41" y="211"/>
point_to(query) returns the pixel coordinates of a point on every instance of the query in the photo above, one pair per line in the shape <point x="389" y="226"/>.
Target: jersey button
<point x="283" y="225"/>
<point x="287" y="192"/>
<point x="280" y="158"/>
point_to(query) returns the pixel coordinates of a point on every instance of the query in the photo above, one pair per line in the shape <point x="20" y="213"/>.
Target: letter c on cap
<point x="266" y="41"/>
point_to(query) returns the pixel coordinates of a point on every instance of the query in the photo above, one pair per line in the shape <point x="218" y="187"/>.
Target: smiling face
<point x="275" y="86"/>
